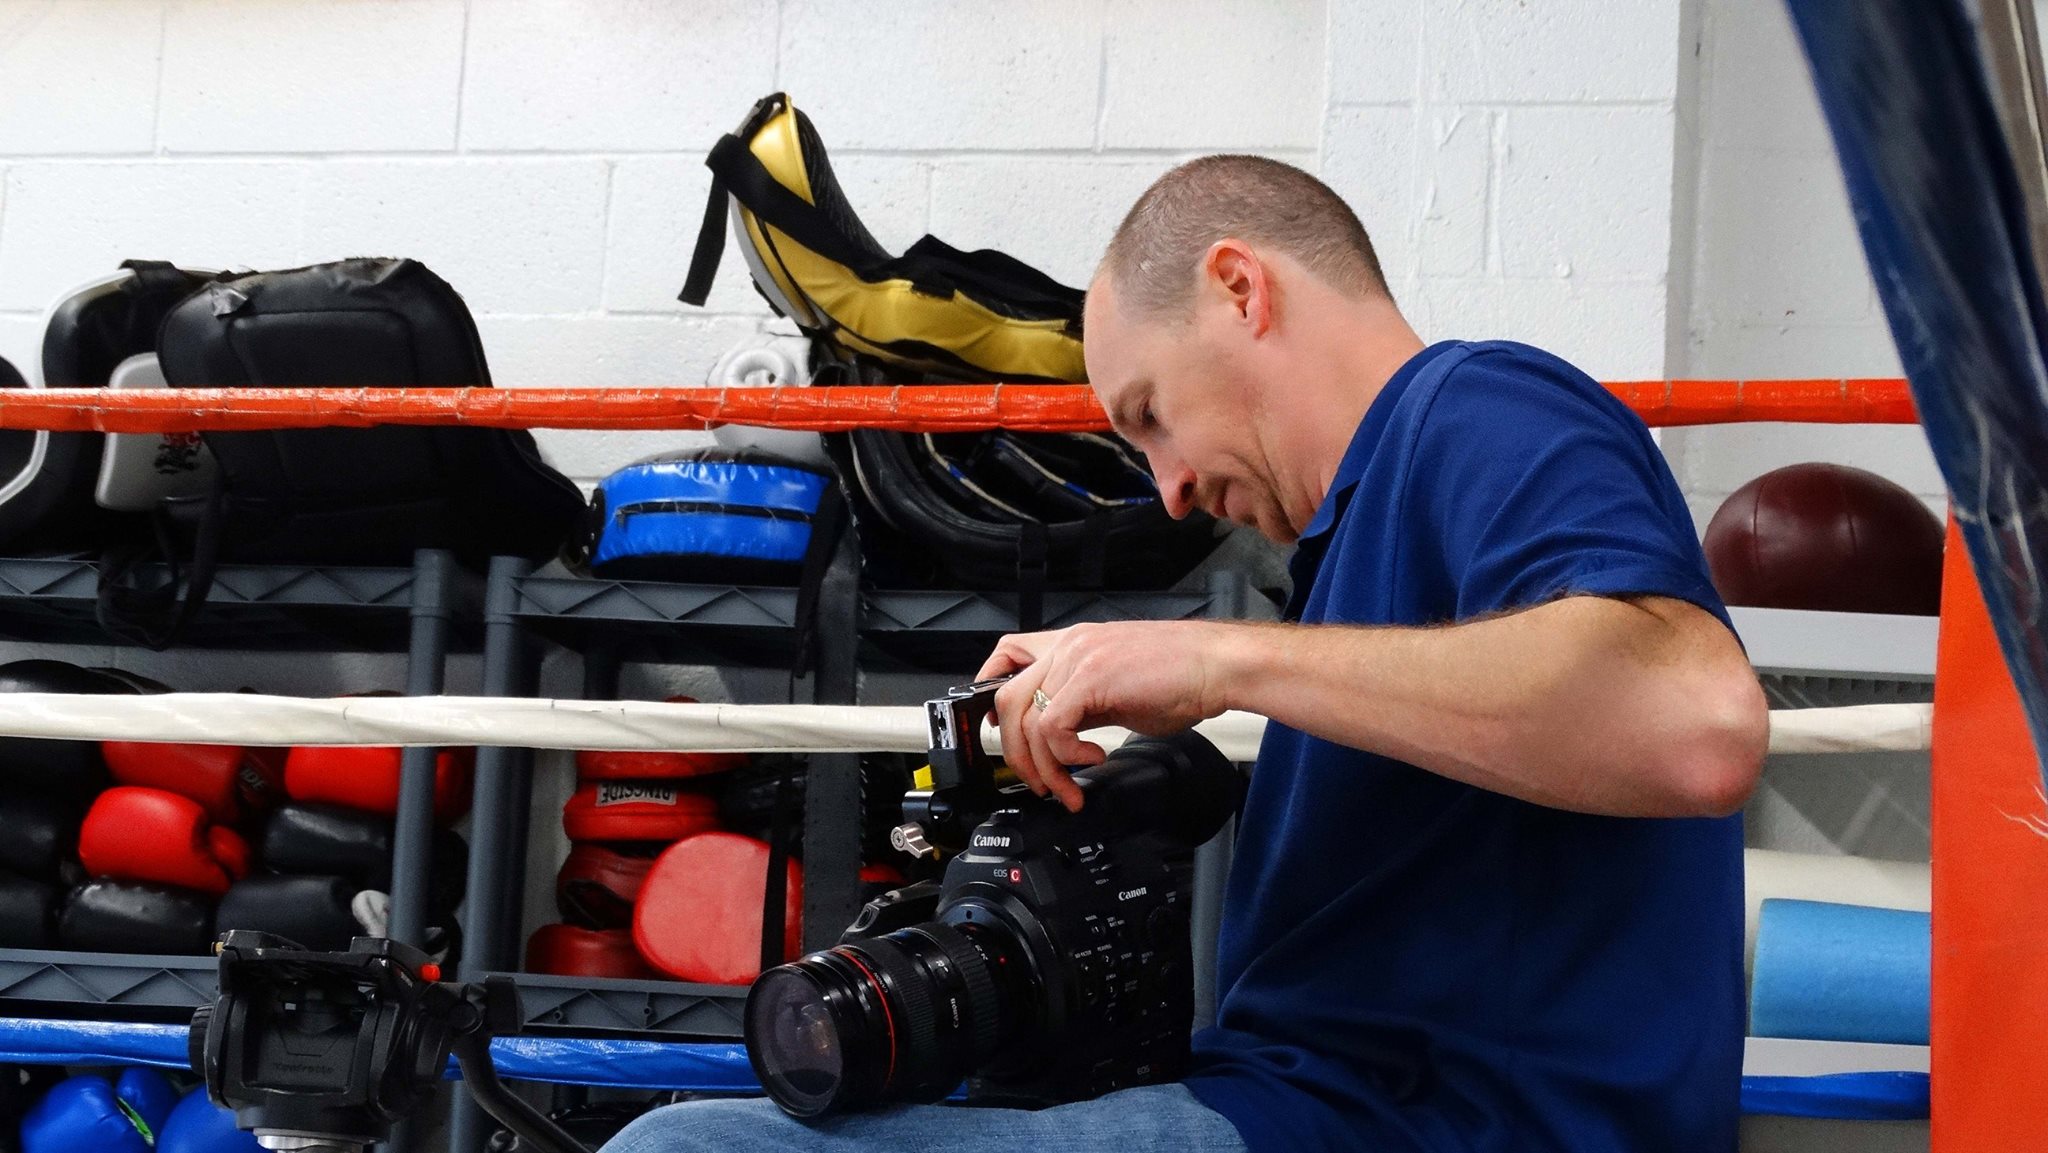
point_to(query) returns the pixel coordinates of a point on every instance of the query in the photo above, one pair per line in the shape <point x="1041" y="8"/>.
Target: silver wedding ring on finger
<point x="1039" y="700"/>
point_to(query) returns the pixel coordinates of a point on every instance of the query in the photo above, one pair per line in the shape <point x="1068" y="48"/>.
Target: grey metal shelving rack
<point x="424" y="611"/>
<point x="611" y="622"/>
<point x="143" y="987"/>
<point x="1811" y="659"/>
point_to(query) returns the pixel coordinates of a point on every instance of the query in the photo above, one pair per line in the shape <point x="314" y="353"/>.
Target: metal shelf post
<point x="412" y="850"/>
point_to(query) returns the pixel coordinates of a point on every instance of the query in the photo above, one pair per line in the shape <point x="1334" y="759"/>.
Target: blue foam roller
<point x="1841" y="973"/>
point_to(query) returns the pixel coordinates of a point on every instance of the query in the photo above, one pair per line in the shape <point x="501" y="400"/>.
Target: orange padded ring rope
<point x="905" y="408"/>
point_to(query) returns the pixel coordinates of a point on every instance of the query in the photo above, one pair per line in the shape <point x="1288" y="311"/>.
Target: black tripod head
<point x="324" y="1052"/>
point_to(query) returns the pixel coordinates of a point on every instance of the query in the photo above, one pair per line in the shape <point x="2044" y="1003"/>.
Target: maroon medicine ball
<point x="1826" y="536"/>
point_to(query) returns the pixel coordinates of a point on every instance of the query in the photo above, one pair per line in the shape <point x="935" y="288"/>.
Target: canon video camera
<point x="1051" y="963"/>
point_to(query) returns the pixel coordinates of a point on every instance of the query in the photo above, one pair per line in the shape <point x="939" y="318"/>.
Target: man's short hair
<point x="1154" y="256"/>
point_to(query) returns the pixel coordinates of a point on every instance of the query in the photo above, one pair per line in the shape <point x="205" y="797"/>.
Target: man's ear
<point x="1232" y="270"/>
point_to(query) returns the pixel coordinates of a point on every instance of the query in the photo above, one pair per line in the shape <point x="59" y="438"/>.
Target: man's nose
<point x="1176" y="487"/>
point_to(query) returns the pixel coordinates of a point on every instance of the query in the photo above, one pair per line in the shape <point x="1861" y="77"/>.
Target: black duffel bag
<point x="363" y="496"/>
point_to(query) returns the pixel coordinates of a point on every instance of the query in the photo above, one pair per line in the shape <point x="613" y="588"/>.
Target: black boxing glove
<point x="28" y="913"/>
<point x="40" y="832"/>
<point x="119" y="917"/>
<point x="310" y="910"/>
<point x="68" y="770"/>
<point x="327" y="840"/>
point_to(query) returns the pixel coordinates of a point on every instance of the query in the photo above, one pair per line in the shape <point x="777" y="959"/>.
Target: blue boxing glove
<point x="198" y="1125"/>
<point x="150" y="1094"/>
<point x="82" y="1115"/>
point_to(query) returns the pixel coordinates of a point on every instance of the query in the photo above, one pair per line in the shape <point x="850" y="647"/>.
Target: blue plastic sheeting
<point x="1841" y="973"/>
<point x="1839" y="1096"/>
<point x="30" y="1041"/>
<point x="711" y="1068"/>
<point x="704" y="1068"/>
<point x="1938" y="204"/>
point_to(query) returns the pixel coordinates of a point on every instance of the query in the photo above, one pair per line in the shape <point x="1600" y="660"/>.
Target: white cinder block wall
<point x="1513" y="162"/>
<point x="546" y="155"/>
<point x="1778" y="286"/>
<point x="1519" y="164"/>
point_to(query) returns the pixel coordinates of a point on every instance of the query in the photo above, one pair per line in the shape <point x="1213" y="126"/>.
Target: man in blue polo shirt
<point x="1487" y="893"/>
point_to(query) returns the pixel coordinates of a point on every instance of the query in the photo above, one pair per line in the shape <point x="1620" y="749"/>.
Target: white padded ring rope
<point x="250" y="719"/>
<point x="1853" y="729"/>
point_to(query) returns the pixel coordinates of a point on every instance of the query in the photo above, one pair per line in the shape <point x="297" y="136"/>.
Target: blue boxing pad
<point x="150" y="1094"/>
<point x="198" y="1125"/>
<point x="82" y="1115"/>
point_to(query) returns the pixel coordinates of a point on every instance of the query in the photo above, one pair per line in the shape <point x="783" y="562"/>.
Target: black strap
<point x="734" y="164"/>
<point x="775" y="894"/>
<point x="996" y="279"/>
<point x="711" y="233"/>
<point x="1033" y="546"/>
<point x="154" y="615"/>
<point x="160" y="278"/>
<point x="826" y="525"/>
<point x="1091" y="560"/>
<point x="710" y="246"/>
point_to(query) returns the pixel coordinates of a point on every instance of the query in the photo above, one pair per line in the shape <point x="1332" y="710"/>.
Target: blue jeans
<point x="1148" y="1119"/>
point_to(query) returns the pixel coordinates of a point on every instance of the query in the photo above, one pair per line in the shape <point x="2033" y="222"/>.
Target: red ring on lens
<point x="888" y="1020"/>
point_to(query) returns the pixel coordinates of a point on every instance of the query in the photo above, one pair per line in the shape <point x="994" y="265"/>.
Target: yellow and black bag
<point x="998" y="509"/>
<point x="934" y="310"/>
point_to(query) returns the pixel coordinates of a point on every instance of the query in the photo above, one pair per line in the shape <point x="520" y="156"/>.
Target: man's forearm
<point x="1587" y="703"/>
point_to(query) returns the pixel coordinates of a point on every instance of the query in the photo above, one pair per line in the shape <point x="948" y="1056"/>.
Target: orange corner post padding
<point x="1990" y="1009"/>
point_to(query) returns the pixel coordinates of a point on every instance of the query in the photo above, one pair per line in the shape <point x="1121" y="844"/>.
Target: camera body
<point x="1103" y="921"/>
<point x="1051" y="962"/>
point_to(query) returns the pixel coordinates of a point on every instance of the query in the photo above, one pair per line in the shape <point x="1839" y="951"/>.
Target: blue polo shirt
<point x="1410" y="963"/>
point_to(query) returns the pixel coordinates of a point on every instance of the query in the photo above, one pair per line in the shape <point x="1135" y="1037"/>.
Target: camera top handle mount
<point x="324" y="1052"/>
<point x="963" y="791"/>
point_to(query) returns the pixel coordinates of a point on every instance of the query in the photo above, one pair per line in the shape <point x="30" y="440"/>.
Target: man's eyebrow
<point x="1128" y="402"/>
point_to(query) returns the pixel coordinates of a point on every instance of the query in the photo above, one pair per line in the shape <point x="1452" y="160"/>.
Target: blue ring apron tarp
<point x="1842" y="1096"/>
<point x="1943" y="221"/>
<point x="708" y="1068"/>
<point x="723" y="1068"/>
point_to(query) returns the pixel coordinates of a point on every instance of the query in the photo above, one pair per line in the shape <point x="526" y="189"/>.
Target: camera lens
<point x="797" y="1055"/>
<point x="903" y="1017"/>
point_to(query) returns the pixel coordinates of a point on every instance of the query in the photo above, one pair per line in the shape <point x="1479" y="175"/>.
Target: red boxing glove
<point x="231" y="781"/>
<point x="150" y="835"/>
<point x="598" y="885"/>
<point x="637" y="811"/>
<point x="699" y="913"/>
<point x="569" y="951"/>
<point x="366" y="779"/>
<point x="629" y="765"/>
